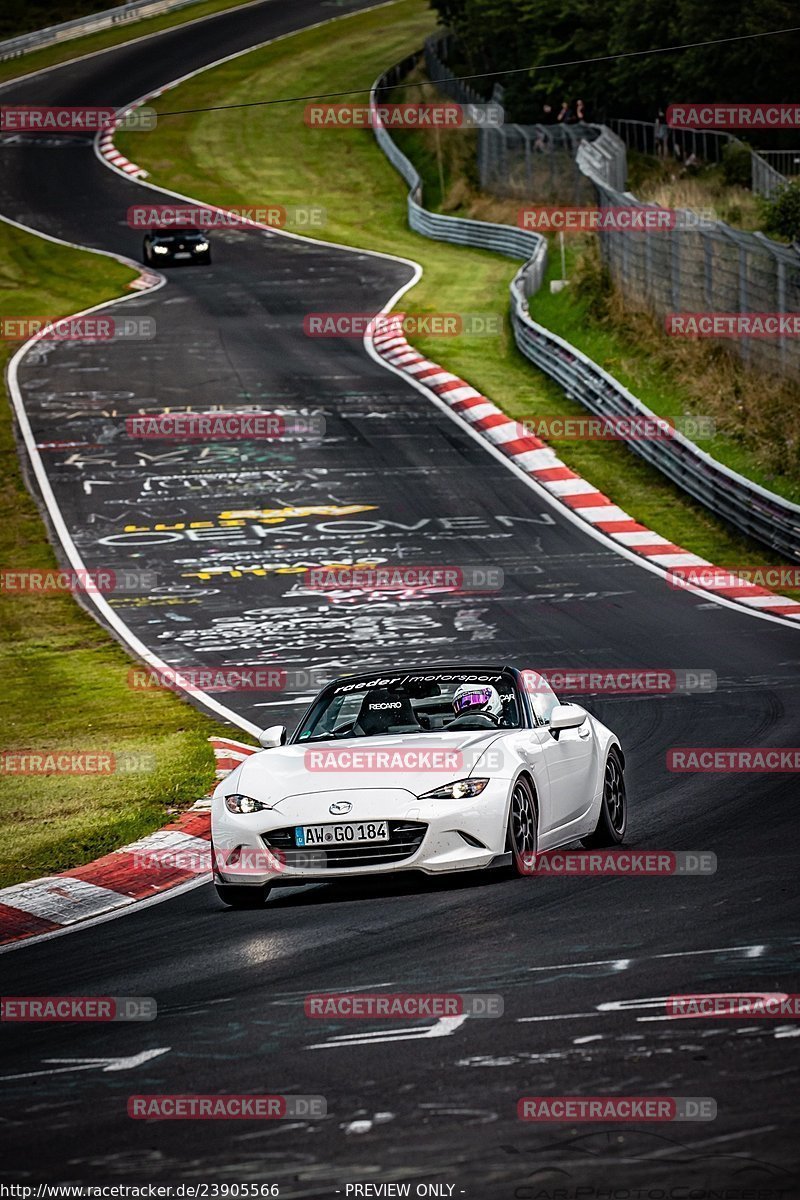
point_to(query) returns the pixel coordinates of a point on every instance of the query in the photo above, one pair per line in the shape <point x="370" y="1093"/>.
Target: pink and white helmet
<point x="477" y="698"/>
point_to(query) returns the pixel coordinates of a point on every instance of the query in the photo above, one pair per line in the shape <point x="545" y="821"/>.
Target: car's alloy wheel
<point x="613" y="819"/>
<point x="522" y="827"/>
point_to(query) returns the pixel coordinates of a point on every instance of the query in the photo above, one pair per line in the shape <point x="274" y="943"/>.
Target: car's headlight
<point x="243" y="804"/>
<point x="457" y="790"/>
<point x="201" y="247"/>
<point x="161" y="249"/>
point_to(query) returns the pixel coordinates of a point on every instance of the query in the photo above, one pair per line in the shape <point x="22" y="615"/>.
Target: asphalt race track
<point x="575" y="959"/>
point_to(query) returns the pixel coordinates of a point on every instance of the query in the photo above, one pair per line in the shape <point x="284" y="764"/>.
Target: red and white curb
<point x="109" y="151"/>
<point x="173" y="856"/>
<point x="542" y="464"/>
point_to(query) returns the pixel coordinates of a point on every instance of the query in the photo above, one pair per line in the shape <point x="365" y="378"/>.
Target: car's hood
<point x="415" y="763"/>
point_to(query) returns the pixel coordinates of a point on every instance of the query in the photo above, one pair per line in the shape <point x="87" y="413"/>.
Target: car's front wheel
<point x="522" y="824"/>
<point x="242" y="897"/>
<point x="613" y="819"/>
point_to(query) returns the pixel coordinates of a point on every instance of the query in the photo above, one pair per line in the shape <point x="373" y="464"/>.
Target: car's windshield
<point x="414" y="703"/>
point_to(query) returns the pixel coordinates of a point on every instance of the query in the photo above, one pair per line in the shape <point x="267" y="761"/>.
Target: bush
<point x="782" y="212"/>
<point x="736" y="165"/>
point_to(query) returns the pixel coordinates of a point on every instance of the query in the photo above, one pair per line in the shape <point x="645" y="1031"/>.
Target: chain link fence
<point x="762" y="514"/>
<point x="712" y="268"/>
<point x="517" y="160"/>
<point x="707" y="146"/>
<point x="707" y="267"/>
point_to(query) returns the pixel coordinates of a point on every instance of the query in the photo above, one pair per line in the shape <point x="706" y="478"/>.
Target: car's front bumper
<point x="432" y="836"/>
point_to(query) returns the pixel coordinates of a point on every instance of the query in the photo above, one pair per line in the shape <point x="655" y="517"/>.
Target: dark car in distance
<point x="162" y="247"/>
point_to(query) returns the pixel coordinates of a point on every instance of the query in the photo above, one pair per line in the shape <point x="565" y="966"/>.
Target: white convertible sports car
<point x="434" y="770"/>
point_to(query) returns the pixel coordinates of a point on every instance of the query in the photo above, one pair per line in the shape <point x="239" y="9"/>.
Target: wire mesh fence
<point x="762" y="514"/>
<point x="704" y="266"/>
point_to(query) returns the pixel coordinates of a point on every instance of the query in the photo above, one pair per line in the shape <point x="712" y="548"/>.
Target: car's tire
<point x="613" y="819"/>
<point x="242" y="897"/>
<point x="206" y="260"/>
<point x="523" y="820"/>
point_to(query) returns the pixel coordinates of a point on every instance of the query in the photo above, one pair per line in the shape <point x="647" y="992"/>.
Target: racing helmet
<point x="477" y="698"/>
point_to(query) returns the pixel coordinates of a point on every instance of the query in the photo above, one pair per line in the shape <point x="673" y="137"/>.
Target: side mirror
<point x="272" y="737"/>
<point x="566" y="716"/>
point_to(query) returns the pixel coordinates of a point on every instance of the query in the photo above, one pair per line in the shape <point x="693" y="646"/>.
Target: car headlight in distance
<point x="457" y="790"/>
<point x="161" y="249"/>
<point x="243" y="804"/>
<point x="201" y="247"/>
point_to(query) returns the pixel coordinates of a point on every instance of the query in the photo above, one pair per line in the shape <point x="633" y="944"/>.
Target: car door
<point x="571" y="768"/>
<point x="571" y="764"/>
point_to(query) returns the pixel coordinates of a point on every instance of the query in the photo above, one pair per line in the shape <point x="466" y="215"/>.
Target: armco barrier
<point x="91" y="23"/>
<point x="761" y="514"/>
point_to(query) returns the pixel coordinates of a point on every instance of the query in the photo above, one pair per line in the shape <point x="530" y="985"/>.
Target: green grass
<point x="65" y="681"/>
<point x="570" y="316"/>
<point x="221" y="157"/>
<point x="49" y="56"/>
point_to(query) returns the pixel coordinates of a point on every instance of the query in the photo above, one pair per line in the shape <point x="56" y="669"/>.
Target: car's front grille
<point x="405" y="838"/>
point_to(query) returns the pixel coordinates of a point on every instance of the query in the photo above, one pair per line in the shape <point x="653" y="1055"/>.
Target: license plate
<point x="341" y="835"/>
<point x="182" y="254"/>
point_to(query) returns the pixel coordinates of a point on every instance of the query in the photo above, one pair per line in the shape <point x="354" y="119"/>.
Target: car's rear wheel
<point x="522" y="827"/>
<point x="613" y="819"/>
<point x="242" y="897"/>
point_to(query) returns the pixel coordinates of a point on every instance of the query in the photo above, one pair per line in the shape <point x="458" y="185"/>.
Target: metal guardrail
<point x="462" y="231"/>
<point x="91" y="23"/>
<point x="761" y="514"/>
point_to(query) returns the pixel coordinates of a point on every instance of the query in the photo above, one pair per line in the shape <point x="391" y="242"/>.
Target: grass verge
<point x="222" y="157"/>
<point x="50" y="56"/>
<point x="65" y="679"/>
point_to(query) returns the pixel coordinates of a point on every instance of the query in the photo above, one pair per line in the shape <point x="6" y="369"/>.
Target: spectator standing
<point x="661" y="134"/>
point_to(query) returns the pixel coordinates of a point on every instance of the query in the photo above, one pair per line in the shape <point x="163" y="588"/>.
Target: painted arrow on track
<point x="89" y="1064"/>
